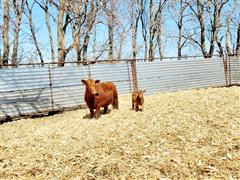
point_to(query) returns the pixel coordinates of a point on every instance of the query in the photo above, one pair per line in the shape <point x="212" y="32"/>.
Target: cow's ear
<point x="83" y="81"/>
<point x="97" y="81"/>
<point x="144" y="91"/>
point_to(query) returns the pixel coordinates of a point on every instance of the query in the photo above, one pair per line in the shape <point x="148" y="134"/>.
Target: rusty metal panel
<point x="179" y="75"/>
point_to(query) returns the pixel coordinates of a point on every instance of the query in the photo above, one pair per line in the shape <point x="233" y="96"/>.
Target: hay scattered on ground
<point x="186" y="134"/>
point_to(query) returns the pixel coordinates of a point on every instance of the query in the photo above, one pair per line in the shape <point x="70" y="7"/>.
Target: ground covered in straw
<point x="181" y="135"/>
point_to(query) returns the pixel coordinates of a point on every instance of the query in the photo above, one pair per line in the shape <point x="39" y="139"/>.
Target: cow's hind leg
<point x="105" y="109"/>
<point x="115" y="104"/>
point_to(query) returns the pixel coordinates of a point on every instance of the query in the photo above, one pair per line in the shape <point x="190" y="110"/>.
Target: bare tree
<point x="61" y="41"/>
<point x="18" y="7"/>
<point x="122" y="37"/>
<point x="155" y="27"/>
<point x="177" y="10"/>
<point x="228" y="34"/>
<point x="144" y="22"/>
<point x="79" y="18"/>
<point x="49" y="31"/>
<point x="213" y="8"/>
<point x="4" y="59"/>
<point x="151" y="31"/>
<point x="238" y="40"/>
<point x="158" y="19"/>
<point x="45" y="7"/>
<point x="63" y="22"/>
<point x="32" y="29"/>
<point x="110" y="12"/>
<point x="90" y="20"/>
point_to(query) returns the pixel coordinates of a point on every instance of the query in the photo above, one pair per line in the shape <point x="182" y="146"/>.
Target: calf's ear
<point x="97" y="81"/>
<point x="144" y="91"/>
<point x="83" y="81"/>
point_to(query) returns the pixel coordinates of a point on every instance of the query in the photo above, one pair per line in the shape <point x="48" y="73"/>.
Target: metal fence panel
<point x="234" y="68"/>
<point x="178" y="75"/>
<point x="119" y="73"/>
<point x="24" y="90"/>
<point x="38" y="89"/>
<point x="67" y="89"/>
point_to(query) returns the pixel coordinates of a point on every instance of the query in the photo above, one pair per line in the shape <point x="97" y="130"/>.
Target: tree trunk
<point x="123" y="35"/>
<point x="18" y="14"/>
<point x="200" y="7"/>
<point x="76" y="33"/>
<point x="180" y="24"/>
<point x="144" y="30"/>
<point x="151" y="30"/>
<point x="159" y="35"/>
<point x="110" y="30"/>
<point x="61" y="42"/>
<point x="90" y="20"/>
<point x="238" y="40"/>
<point x="110" y="42"/>
<point x="5" y="33"/>
<point x="214" y="29"/>
<point x="32" y="29"/>
<point x="227" y="36"/>
<point x="49" y="32"/>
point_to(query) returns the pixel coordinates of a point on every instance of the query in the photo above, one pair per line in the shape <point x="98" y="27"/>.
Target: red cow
<point x="100" y="94"/>
<point x="138" y="100"/>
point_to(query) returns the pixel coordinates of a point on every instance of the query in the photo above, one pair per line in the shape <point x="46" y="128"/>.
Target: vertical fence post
<point x="89" y="71"/>
<point x="129" y="77"/>
<point x="229" y="70"/>
<point x="225" y="68"/>
<point x="50" y="86"/>
<point x="134" y="74"/>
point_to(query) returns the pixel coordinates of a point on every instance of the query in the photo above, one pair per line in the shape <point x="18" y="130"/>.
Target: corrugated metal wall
<point x="27" y="90"/>
<point x="43" y="89"/>
<point x="24" y="90"/>
<point x="178" y="75"/>
<point x="234" y="70"/>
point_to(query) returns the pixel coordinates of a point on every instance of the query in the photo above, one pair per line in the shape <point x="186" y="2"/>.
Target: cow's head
<point x="140" y="93"/>
<point x="91" y="86"/>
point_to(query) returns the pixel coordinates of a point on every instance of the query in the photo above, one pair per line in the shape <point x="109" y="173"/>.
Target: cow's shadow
<point x="88" y="116"/>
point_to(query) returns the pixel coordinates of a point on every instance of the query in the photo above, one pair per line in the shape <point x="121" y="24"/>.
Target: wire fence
<point x="33" y="89"/>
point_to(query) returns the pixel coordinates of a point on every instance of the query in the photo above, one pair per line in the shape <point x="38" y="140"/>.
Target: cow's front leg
<point x="141" y="108"/>
<point x="136" y="106"/>
<point x="97" y="112"/>
<point x="92" y="113"/>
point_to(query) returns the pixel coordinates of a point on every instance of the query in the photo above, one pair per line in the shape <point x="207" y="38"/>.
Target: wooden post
<point x="50" y="86"/>
<point x="134" y="74"/>
<point x="225" y="68"/>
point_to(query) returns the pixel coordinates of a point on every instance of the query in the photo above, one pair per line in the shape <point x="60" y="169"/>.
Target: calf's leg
<point x="105" y="109"/>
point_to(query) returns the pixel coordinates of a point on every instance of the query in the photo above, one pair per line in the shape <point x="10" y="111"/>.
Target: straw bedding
<point x="193" y="134"/>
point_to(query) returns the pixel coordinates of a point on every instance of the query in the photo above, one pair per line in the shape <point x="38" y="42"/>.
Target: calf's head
<point x="91" y="86"/>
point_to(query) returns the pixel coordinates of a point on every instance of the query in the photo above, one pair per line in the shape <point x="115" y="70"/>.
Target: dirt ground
<point x="192" y="134"/>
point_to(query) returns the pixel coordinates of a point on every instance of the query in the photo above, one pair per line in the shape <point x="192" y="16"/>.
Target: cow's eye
<point x="96" y="94"/>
